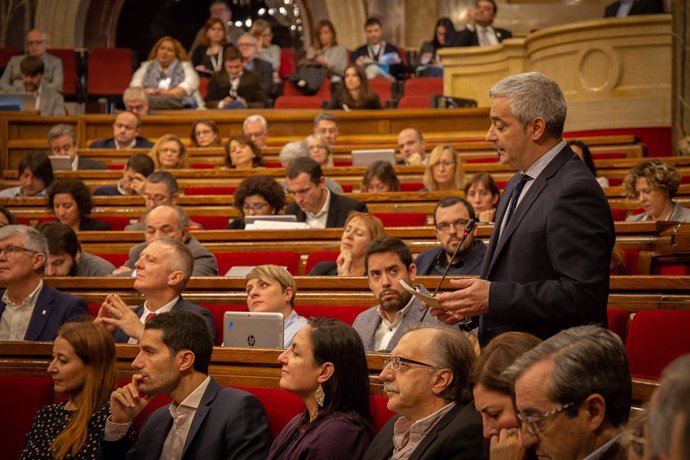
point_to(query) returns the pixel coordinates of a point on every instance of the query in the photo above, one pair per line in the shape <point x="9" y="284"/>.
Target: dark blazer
<point x="53" y="309"/>
<point x="249" y="88"/>
<point x="89" y="163"/>
<point x="228" y="424"/>
<point x="468" y="37"/>
<point x="550" y="270"/>
<point x="87" y="223"/>
<point x="141" y="143"/>
<point x="467" y="263"/>
<point x="338" y="209"/>
<point x="120" y="337"/>
<point x="264" y="70"/>
<point x="337" y="103"/>
<point x="324" y="269"/>
<point x="108" y="190"/>
<point x="457" y="436"/>
<point x="395" y="69"/>
<point x="638" y="7"/>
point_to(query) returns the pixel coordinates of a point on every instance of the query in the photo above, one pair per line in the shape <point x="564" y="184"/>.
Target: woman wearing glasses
<point x="492" y="393"/>
<point x="443" y="171"/>
<point x="327" y="368"/>
<point x="320" y="150"/>
<point x="257" y="196"/>
<point x="205" y="134"/>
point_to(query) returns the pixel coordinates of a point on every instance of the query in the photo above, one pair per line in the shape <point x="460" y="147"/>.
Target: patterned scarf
<point x="154" y="74"/>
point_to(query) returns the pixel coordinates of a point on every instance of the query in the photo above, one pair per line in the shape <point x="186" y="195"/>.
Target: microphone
<point x="465" y="233"/>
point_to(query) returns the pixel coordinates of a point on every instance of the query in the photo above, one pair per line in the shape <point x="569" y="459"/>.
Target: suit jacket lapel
<point x="41" y="313"/>
<point x="119" y="335"/>
<point x="500" y="212"/>
<point x="433" y="434"/>
<point x="201" y="413"/>
<point x="332" y="211"/>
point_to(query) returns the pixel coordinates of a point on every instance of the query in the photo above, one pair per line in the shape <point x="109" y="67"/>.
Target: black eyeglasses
<point x="535" y="422"/>
<point x="396" y="363"/>
<point x="445" y="226"/>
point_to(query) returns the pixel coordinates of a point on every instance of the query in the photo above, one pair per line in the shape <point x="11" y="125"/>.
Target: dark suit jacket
<point x="468" y="37"/>
<point x="249" y="88"/>
<point x="89" y="163"/>
<point x="467" y="263"/>
<point x="107" y="190"/>
<point x="324" y="269"/>
<point x="550" y="270"/>
<point x="395" y="69"/>
<point x="53" y="308"/>
<point x="457" y="436"/>
<point x="120" y="337"/>
<point x="639" y="7"/>
<point x="338" y="209"/>
<point x="228" y="424"/>
<point x="264" y="70"/>
<point x="141" y="143"/>
<point x="87" y="223"/>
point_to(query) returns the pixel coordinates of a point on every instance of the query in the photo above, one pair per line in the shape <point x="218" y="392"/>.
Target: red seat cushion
<point x="316" y="257"/>
<point x="117" y="259"/>
<point x="230" y="190"/>
<point x="344" y="313"/>
<point x="379" y="411"/>
<point x="299" y="102"/>
<point x="68" y="57"/>
<point x="619" y="214"/>
<point x="414" y="102"/>
<point x="423" y="86"/>
<point x="401" y="219"/>
<point x="116" y="222"/>
<point x="411" y="186"/>
<point x="618" y="322"/>
<point x="226" y="260"/>
<point x="655" y="338"/>
<point x="280" y="405"/>
<point x="110" y="71"/>
<point x="217" y="311"/>
<point x="211" y="222"/>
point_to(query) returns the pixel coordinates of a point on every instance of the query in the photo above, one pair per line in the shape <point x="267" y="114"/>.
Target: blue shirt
<point x="292" y="324"/>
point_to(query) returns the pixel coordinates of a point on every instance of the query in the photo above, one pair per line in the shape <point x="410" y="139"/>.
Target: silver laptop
<point x="367" y="157"/>
<point x="60" y="163"/>
<point x="243" y="329"/>
<point x="17" y="102"/>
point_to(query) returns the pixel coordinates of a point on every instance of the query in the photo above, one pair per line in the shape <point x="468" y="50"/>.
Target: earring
<point x="320" y="396"/>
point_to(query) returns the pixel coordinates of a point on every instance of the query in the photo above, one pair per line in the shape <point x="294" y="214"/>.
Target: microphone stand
<point x="468" y="229"/>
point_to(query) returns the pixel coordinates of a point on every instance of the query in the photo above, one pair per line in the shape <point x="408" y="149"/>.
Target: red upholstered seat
<point x="615" y="181"/>
<point x="414" y="102"/>
<point x="24" y="396"/>
<point x="383" y="87"/>
<point x="6" y="54"/>
<point x="655" y="338"/>
<point x="411" y="186"/>
<point x="618" y="322"/>
<point x="211" y="222"/>
<point x="69" y="69"/>
<point x="316" y="257"/>
<point x="619" y="214"/>
<point x="287" y="62"/>
<point x="299" y="102"/>
<point x="342" y="162"/>
<point x="424" y="86"/>
<point x="110" y="71"/>
<point x="114" y="166"/>
<point x="210" y="190"/>
<point x="401" y="219"/>
<point x="631" y="258"/>
<point x="672" y="269"/>
<point x="324" y="92"/>
<point x="217" y="311"/>
<point x="344" y="313"/>
<point x="201" y="166"/>
<point x="280" y="405"/>
<point x="379" y="411"/>
<point x="116" y="222"/>
<point x="227" y="260"/>
<point x="491" y="159"/>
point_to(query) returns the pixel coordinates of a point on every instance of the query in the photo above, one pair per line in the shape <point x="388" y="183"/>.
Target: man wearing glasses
<point x="30" y="309"/>
<point x="573" y="394"/>
<point x="450" y="218"/>
<point x="425" y="380"/>
<point x="11" y="80"/>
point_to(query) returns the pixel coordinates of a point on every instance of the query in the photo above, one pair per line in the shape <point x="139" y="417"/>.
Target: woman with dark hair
<point x="380" y="177"/>
<point x="205" y="134"/>
<point x="35" y="176"/>
<point x="492" y="391"/>
<point x="355" y="94"/>
<point x="429" y="62"/>
<point x="242" y="153"/>
<point x="483" y="194"/>
<point x="84" y="370"/>
<point x="257" y="196"/>
<point x="6" y="217"/>
<point x="325" y="51"/>
<point x="208" y="56"/>
<point x="582" y="151"/>
<point x="327" y="368"/>
<point x="70" y="201"/>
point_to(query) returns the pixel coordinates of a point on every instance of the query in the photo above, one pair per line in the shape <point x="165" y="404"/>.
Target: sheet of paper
<point x="431" y="301"/>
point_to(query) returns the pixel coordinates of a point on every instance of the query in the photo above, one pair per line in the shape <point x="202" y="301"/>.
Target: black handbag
<point x="308" y="79"/>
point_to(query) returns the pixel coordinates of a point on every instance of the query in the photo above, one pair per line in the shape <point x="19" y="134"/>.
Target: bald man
<point x="125" y="134"/>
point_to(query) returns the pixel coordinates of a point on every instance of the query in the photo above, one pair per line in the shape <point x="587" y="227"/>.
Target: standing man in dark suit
<point x="204" y="422"/>
<point x="29" y="308"/>
<point x="425" y="380"/>
<point x="125" y="134"/>
<point x="234" y="87"/>
<point x="483" y="33"/>
<point x="547" y="265"/>
<point x="624" y="8"/>
<point x="163" y="269"/>
<point x="314" y="203"/>
<point x="62" y="141"/>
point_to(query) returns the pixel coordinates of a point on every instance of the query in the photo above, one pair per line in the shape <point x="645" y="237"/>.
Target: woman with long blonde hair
<point x="444" y="171"/>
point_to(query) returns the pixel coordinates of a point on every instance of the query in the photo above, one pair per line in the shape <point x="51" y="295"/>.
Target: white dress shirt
<point x="165" y="308"/>
<point x="16" y="317"/>
<point x="320" y="219"/>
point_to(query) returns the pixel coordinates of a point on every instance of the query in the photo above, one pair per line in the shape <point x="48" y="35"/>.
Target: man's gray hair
<point x="450" y="349"/>
<point x="165" y="177"/>
<point x="33" y="239"/>
<point x="182" y="219"/>
<point x="253" y="119"/>
<point x="533" y="95"/>
<point x="671" y="399"/>
<point x="587" y="360"/>
<point x="61" y="130"/>
<point x="247" y="35"/>
<point x="182" y="259"/>
<point x="292" y="150"/>
<point x="324" y="116"/>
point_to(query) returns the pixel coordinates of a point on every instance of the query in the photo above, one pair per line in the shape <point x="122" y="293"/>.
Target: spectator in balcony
<point x="255" y="127"/>
<point x="654" y="184"/>
<point x="47" y="100"/>
<point x="70" y="201"/>
<point x="380" y="177"/>
<point x="378" y="57"/>
<point x="325" y="51"/>
<point x="320" y="150"/>
<point x="168" y="77"/>
<point x="134" y="174"/>
<point x="261" y="30"/>
<point x="169" y="153"/>
<point x="65" y="256"/>
<point x="125" y="133"/>
<point x="136" y="101"/>
<point x="241" y="153"/>
<point x="257" y="196"/>
<point x="36" y="41"/>
<point x="205" y="134"/>
<point x="483" y="194"/>
<point x="35" y="176"/>
<point x="360" y="229"/>
<point x="582" y="151"/>
<point x="355" y="94"/>
<point x="207" y="58"/>
<point x="429" y="61"/>
<point x="234" y="87"/>
<point x="221" y="10"/>
<point x="444" y="171"/>
<point x="247" y="45"/>
<point x="483" y="33"/>
<point x="624" y="8"/>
